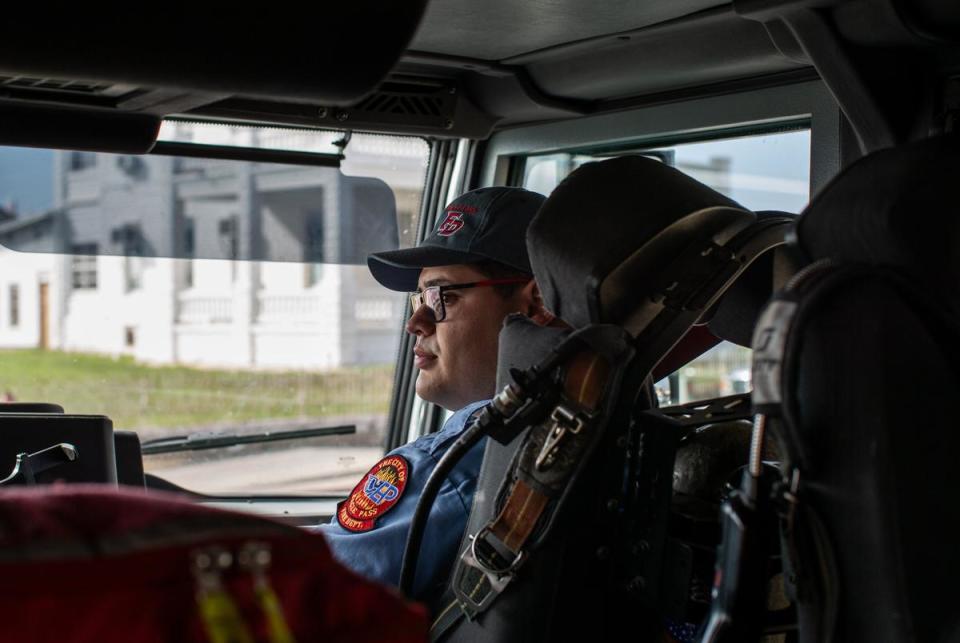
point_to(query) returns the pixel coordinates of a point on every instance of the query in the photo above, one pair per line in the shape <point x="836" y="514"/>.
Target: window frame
<point x="758" y="111"/>
<point x="752" y="112"/>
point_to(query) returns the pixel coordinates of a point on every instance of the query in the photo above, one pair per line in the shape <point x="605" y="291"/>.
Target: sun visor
<point x="72" y="128"/>
<point x="332" y="53"/>
<point x="607" y="235"/>
<point x="186" y="208"/>
<point x="118" y="69"/>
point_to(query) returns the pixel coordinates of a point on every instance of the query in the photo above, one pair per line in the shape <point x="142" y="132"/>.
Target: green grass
<point x="139" y="396"/>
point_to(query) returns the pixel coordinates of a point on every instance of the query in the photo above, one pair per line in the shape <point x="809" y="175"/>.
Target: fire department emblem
<point x="375" y="494"/>
<point x="451" y="224"/>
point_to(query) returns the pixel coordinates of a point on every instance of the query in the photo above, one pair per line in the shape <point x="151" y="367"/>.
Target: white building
<point x="178" y="295"/>
<point x="31" y="283"/>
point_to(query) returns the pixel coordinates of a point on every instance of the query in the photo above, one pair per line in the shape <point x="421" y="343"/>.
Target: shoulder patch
<point x="375" y="494"/>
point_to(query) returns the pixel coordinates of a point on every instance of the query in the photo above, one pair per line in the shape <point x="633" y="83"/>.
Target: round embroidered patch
<point x="375" y="494"/>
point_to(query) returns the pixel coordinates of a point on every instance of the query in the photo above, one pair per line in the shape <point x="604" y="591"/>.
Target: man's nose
<point x="421" y="322"/>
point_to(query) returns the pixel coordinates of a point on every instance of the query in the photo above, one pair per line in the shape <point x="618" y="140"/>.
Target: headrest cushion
<point x="597" y="218"/>
<point x="896" y="208"/>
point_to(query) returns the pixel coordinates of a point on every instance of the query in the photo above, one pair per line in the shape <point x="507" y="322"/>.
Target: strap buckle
<point x="787" y="497"/>
<point x="564" y="422"/>
<point x="488" y="567"/>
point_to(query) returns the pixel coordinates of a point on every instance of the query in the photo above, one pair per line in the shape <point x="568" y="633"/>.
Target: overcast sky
<point x="26" y="179"/>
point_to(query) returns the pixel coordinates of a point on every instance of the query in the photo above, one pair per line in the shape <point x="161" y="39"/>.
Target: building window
<point x="131" y="242"/>
<point x="189" y="250"/>
<point x="133" y="272"/>
<point x="313" y="249"/>
<point x="83" y="266"/>
<point x="82" y="160"/>
<point x="14" y="305"/>
<point x="133" y="167"/>
<point x="228" y="231"/>
<point x="312" y="274"/>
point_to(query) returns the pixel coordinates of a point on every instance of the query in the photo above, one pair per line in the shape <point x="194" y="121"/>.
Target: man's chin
<point x="428" y="389"/>
<point x="444" y="399"/>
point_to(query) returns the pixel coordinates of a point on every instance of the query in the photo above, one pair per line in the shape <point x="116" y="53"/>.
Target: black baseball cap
<point x="484" y="224"/>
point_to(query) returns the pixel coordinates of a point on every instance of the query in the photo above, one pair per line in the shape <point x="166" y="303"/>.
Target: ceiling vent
<point x="25" y="82"/>
<point x="409" y="104"/>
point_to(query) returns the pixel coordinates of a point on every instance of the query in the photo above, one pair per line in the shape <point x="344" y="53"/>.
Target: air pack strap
<point x="547" y="462"/>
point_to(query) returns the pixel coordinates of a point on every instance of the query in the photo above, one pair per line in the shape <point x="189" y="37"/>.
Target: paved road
<point x="297" y="470"/>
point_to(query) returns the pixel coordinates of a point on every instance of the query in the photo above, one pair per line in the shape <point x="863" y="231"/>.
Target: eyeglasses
<point x="432" y="296"/>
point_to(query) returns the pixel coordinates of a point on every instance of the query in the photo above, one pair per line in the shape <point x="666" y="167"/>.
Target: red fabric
<point x="87" y="564"/>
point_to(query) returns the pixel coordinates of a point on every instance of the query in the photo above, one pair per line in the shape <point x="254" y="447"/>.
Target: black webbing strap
<point x="550" y="457"/>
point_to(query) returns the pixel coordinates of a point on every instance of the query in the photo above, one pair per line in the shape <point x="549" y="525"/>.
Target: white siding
<point x="26" y="271"/>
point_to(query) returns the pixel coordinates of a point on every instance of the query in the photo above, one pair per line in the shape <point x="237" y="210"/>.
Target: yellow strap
<point x="221" y="618"/>
<point x="277" y="628"/>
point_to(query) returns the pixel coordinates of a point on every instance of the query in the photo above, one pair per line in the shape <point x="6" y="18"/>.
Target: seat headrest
<point x="599" y="217"/>
<point x="736" y="314"/>
<point x="894" y="208"/>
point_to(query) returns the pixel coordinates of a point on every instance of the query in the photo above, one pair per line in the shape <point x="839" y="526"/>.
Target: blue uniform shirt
<point x="378" y="553"/>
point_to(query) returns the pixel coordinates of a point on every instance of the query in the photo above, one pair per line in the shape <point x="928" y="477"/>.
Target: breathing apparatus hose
<point x="454" y="454"/>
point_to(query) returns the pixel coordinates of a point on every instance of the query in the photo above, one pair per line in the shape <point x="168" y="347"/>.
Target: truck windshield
<point x="202" y="297"/>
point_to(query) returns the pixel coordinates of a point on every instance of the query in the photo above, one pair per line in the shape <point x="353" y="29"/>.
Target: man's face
<point x="457" y="357"/>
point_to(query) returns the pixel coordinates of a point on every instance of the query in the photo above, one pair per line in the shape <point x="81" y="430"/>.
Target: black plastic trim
<point x="255" y="155"/>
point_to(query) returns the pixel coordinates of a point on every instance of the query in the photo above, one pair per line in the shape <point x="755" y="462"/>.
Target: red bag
<point x="83" y="563"/>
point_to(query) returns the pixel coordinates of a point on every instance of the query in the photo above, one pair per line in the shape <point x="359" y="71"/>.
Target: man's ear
<point x="533" y="303"/>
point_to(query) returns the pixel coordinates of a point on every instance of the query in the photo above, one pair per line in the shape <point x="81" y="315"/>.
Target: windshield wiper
<point x="198" y="441"/>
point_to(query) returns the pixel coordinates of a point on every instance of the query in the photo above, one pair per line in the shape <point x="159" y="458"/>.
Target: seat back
<point x="856" y="366"/>
<point x="644" y="275"/>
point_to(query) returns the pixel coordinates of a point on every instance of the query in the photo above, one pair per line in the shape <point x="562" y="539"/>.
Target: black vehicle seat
<point x="734" y="316"/>
<point x="607" y="249"/>
<point x="856" y="366"/>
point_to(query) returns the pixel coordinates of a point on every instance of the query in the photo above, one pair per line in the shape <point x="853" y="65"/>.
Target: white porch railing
<point x="205" y="310"/>
<point x="288" y="307"/>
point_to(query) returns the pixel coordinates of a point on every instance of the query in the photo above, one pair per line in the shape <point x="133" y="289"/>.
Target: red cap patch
<point x="375" y="494"/>
<point x="451" y="224"/>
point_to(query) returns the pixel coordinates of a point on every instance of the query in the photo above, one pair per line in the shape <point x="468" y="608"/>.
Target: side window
<point x="766" y="171"/>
